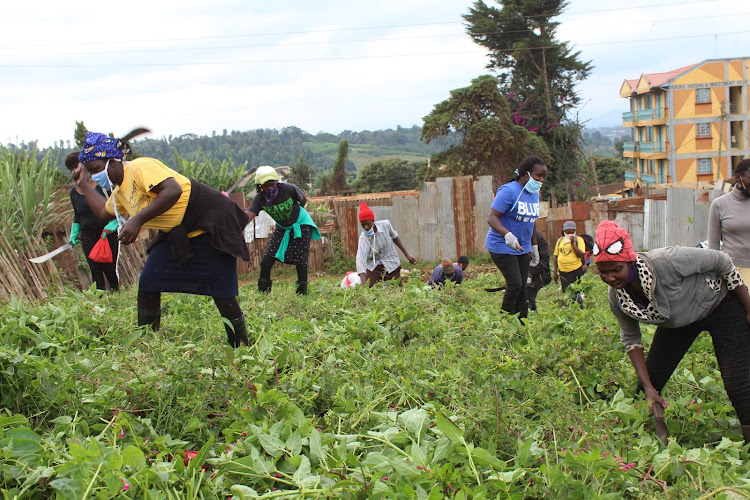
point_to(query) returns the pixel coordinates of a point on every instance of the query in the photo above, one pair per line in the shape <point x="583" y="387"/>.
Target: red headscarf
<point x="365" y="213"/>
<point x="612" y="244"/>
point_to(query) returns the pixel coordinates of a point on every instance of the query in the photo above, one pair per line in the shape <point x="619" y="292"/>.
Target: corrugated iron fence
<point x="677" y="217"/>
<point x="447" y="217"/>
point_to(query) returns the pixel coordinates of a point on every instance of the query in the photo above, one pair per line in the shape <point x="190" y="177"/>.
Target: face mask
<point x="631" y="273"/>
<point x="743" y="189"/>
<point x="270" y="193"/>
<point x="369" y="232"/>
<point x="102" y="178"/>
<point x="533" y="185"/>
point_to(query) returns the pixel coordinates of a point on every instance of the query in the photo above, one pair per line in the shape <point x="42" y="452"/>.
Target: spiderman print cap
<point x="612" y="243"/>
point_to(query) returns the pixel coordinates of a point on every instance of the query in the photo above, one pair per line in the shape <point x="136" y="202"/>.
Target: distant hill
<point x="283" y="147"/>
<point x="601" y="140"/>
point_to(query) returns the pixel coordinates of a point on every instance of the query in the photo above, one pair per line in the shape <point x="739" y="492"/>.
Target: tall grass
<point x="26" y="188"/>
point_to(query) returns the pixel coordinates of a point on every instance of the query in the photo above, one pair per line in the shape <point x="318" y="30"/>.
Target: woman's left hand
<point x="129" y="231"/>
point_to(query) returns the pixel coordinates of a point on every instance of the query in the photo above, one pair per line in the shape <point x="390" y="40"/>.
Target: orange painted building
<point x="688" y="124"/>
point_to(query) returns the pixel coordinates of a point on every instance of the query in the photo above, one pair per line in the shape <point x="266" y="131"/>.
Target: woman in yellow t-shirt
<point x="570" y="258"/>
<point x="200" y="230"/>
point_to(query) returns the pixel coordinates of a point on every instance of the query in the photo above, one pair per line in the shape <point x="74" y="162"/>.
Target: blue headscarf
<point x="99" y="146"/>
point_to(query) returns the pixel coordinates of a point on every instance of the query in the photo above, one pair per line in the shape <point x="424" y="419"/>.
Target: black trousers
<point x="515" y="269"/>
<point x="730" y="334"/>
<point x="99" y="269"/>
<point x="570" y="277"/>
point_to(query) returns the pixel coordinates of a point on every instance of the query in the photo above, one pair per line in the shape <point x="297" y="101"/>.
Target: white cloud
<point x="193" y="66"/>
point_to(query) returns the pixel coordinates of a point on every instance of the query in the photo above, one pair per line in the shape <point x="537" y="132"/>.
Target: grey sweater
<point x="729" y="222"/>
<point x="688" y="285"/>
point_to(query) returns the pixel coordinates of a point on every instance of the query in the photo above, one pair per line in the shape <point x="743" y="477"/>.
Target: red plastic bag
<point x="101" y="251"/>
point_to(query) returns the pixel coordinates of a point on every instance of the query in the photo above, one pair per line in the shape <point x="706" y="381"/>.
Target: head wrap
<point x="569" y="225"/>
<point x="448" y="268"/>
<point x="265" y="174"/>
<point x="612" y="244"/>
<point x="100" y="146"/>
<point x="365" y="213"/>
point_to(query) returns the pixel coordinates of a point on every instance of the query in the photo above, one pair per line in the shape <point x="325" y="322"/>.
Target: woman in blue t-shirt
<point x="510" y="239"/>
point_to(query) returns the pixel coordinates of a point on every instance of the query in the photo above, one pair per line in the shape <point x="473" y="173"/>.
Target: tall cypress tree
<point x="537" y="72"/>
<point x="339" y="170"/>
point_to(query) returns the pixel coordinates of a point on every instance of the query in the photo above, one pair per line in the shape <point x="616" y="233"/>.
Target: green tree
<point x="610" y="170"/>
<point x="490" y="142"/>
<point x="338" y="182"/>
<point x="538" y="73"/>
<point x="300" y="173"/>
<point x="386" y="175"/>
<point x="79" y="134"/>
<point x="326" y="185"/>
<point x="522" y="44"/>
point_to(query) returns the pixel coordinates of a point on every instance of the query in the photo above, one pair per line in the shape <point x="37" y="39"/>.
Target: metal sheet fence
<point x="444" y="218"/>
<point x="679" y="218"/>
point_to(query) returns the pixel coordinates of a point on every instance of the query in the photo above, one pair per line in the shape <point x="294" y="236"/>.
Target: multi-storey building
<point x="689" y="124"/>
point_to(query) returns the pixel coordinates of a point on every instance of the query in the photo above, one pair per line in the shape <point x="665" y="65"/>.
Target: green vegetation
<point x="382" y="393"/>
<point x="27" y="186"/>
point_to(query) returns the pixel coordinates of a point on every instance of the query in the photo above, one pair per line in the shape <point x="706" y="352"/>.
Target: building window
<point x="704" y="166"/>
<point x="702" y="130"/>
<point x="702" y="96"/>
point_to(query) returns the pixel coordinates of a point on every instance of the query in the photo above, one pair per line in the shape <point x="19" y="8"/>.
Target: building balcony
<point x="630" y="146"/>
<point x="643" y="115"/>
<point x="631" y="176"/>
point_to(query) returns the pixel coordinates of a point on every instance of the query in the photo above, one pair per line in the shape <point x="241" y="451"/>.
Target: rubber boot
<point x="302" y="287"/>
<point x="236" y="332"/>
<point x="149" y="317"/>
<point x="264" y="285"/>
<point x="522" y="308"/>
<point x="746" y="433"/>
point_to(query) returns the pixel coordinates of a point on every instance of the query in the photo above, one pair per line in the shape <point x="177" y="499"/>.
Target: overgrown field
<point x="382" y="393"/>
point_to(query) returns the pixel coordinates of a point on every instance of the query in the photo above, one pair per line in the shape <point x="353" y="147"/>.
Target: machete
<point x="661" y="427"/>
<point x="48" y="256"/>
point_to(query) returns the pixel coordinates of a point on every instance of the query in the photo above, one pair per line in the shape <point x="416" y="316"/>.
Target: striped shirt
<point x="378" y="249"/>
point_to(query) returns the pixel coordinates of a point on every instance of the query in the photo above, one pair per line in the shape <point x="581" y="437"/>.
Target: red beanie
<point x="612" y="244"/>
<point x="365" y="213"/>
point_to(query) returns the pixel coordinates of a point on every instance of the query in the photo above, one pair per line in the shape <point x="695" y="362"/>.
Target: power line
<point x="339" y="42"/>
<point x="336" y="30"/>
<point x="351" y="58"/>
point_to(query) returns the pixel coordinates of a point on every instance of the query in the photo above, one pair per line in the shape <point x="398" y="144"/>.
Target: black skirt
<point x="210" y="272"/>
<point x="298" y="251"/>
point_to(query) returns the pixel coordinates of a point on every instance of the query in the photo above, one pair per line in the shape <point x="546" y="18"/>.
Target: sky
<point x="199" y="67"/>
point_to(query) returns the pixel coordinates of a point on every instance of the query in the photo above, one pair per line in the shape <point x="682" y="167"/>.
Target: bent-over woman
<point x="377" y="259"/>
<point x="200" y="230"/>
<point x="290" y="241"/>
<point x="684" y="291"/>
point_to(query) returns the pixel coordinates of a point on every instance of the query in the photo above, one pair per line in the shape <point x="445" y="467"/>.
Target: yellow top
<point x="134" y="193"/>
<point x="567" y="260"/>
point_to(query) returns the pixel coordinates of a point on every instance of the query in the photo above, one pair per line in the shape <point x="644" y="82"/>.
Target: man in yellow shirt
<point x="200" y="230"/>
<point x="570" y="258"/>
